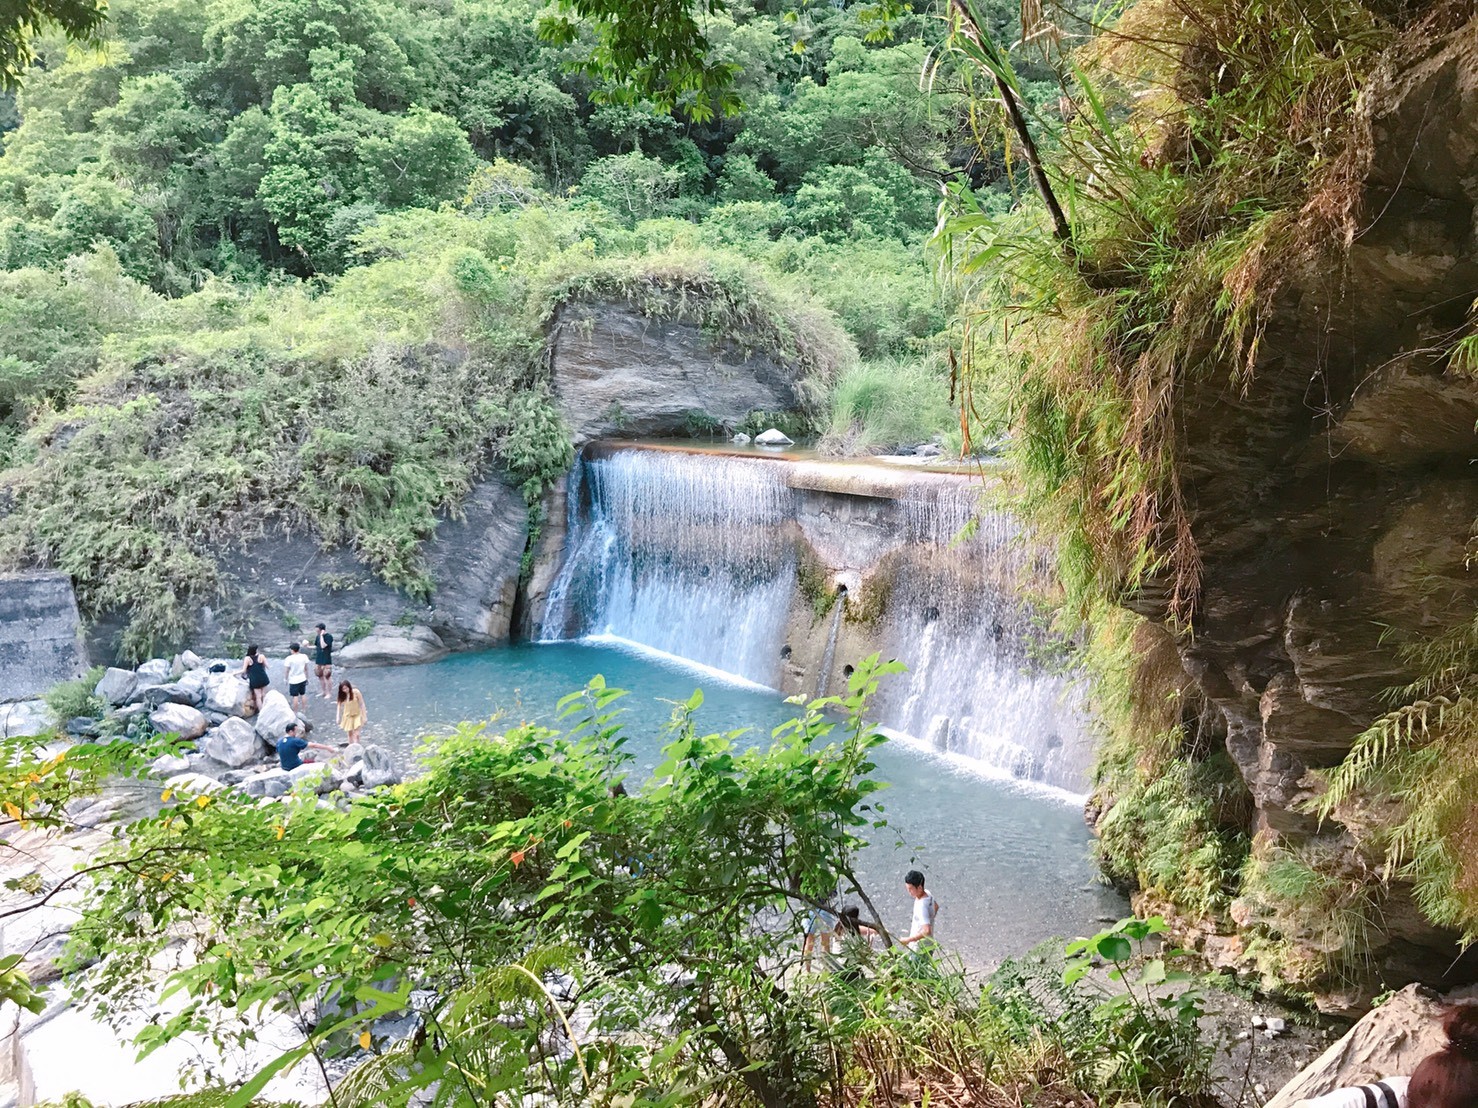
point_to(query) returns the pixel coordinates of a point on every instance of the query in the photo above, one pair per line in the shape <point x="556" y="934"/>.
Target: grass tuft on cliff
<point x="1203" y="154"/>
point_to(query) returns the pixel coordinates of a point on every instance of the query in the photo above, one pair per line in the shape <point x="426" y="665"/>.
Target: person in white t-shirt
<point x="1390" y="1093"/>
<point x="296" y="665"/>
<point x="921" y="929"/>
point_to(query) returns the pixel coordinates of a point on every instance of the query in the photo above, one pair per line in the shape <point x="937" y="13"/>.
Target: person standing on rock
<point x="254" y="669"/>
<point x="352" y="716"/>
<point x="291" y="746"/>
<point x="323" y="659"/>
<point x="296" y="667"/>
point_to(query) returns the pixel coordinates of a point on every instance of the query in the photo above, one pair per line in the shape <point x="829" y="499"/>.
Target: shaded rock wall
<point x="1334" y="498"/>
<point x="40" y="634"/>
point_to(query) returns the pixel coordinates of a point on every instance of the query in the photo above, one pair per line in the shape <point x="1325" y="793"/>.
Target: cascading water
<point x="696" y="555"/>
<point x="678" y="554"/>
<point x="978" y="682"/>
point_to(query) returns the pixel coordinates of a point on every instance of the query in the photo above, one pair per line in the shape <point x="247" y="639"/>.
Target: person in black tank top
<point x="254" y="669"/>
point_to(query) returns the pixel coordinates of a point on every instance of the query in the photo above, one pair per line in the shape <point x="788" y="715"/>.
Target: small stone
<point x="116" y="686"/>
<point x="929" y="450"/>
<point x="179" y="719"/>
<point x="1276" y="1025"/>
<point x="773" y="437"/>
<point x="1243" y="1036"/>
<point x="1259" y="1021"/>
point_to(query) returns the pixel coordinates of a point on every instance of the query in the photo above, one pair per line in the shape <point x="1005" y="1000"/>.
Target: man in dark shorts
<point x="295" y="665"/>
<point x="323" y="659"/>
<point x="291" y="746"/>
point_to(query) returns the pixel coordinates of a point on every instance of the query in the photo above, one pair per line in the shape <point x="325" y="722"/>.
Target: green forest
<point x="239" y="241"/>
<point x="1188" y="268"/>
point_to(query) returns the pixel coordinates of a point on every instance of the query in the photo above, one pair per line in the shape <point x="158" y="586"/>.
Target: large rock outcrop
<point x="1333" y="496"/>
<point x="617" y="372"/>
<point x="40" y="634"/>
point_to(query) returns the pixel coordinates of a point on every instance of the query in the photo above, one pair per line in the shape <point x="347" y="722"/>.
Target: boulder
<point x="83" y="727"/>
<point x="1389" y="1042"/>
<point x="193" y="784"/>
<point x="393" y="646"/>
<point x="190" y="660"/>
<point x="167" y="765"/>
<point x="379" y="767"/>
<point x="24" y="718"/>
<point x="226" y="693"/>
<point x="773" y="437"/>
<point x="179" y="719"/>
<point x="741" y="439"/>
<point x="155" y="695"/>
<point x="116" y="686"/>
<point x="156" y="671"/>
<point x="276" y="713"/>
<point x="269" y="783"/>
<point x="193" y="683"/>
<point x="234" y="743"/>
<point x="618" y="371"/>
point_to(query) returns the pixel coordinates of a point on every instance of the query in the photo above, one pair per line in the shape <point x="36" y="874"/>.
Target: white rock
<point x="272" y="720"/>
<point x="226" y="692"/>
<point x="1276" y="1025"/>
<point x="393" y="646"/>
<point x="24" y="718"/>
<point x="116" y="686"/>
<point x="190" y="660"/>
<point x="741" y="439"/>
<point x="268" y="783"/>
<point x="772" y="437"/>
<point x="154" y="672"/>
<point x="167" y="765"/>
<point x="179" y="719"/>
<point x="234" y="743"/>
<point x="929" y="450"/>
<point x="192" y="784"/>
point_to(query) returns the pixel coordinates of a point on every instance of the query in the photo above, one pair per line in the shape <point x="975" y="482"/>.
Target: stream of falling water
<point x="692" y="555"/>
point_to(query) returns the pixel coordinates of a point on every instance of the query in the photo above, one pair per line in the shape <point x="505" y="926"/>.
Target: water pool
<point x="1008" y="863"/>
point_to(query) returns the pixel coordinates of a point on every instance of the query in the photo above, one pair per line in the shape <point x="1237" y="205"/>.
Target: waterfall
<point x="696" y="555"/>
<point x="679" y="554"/>
<point x="828" y="660"/>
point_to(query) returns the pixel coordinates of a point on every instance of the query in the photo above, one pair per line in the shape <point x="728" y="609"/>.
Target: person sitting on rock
<point x="291" y="746"/>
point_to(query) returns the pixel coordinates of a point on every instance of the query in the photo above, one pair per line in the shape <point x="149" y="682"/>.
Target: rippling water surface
<point x="1008" y="863"/>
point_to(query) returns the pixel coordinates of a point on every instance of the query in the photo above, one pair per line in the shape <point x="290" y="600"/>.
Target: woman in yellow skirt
<point x="352" y="716"/>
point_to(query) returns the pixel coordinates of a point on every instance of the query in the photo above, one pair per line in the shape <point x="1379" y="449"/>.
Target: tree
<point x="79" y="20"/>
<point x="512" y="858"/>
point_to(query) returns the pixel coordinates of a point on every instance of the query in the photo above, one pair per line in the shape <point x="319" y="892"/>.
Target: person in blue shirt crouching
<point x="290" y="748"/>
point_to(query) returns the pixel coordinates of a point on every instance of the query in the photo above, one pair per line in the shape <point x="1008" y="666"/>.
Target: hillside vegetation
<point x="293" y="261"/>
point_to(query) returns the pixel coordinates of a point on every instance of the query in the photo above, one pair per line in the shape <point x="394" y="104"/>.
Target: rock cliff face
<point x="613" y="371"/>
<point x="40" y="634"/>
<point x="618" y="372"/>
<point x="1335" y="497"/>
